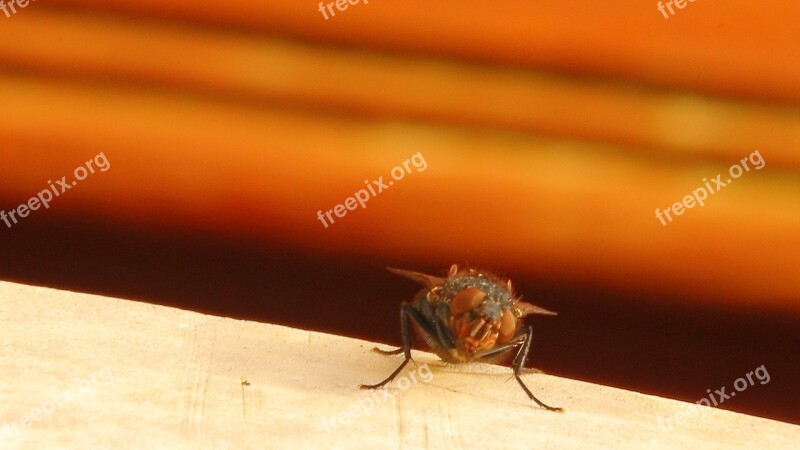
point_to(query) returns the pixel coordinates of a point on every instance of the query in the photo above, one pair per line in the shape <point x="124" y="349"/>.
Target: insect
<point x="468" y="316"/>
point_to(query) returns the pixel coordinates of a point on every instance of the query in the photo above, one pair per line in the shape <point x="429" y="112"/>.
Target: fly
<point x="468" y="316"/>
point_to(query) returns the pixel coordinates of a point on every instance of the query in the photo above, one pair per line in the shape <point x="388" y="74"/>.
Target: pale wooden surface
<point x="167" y="378"/>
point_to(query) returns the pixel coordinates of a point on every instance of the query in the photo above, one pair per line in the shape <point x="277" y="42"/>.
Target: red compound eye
<point x="508" y="327"/>
<point x="466" y="300"/>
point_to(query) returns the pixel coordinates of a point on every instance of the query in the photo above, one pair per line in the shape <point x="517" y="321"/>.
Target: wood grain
<point x="144" y="376"/>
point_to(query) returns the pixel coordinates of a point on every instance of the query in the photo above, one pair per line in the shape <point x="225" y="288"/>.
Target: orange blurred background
<point x="551" y="132"/>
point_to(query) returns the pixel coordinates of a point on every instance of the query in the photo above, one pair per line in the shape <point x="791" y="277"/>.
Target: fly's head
<point x="484" y="311"/>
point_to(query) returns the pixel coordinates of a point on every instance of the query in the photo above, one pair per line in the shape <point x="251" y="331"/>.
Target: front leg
<point x="388" y="352"/>
<point x="519" y="364"/>
<point x="406" y="311"/>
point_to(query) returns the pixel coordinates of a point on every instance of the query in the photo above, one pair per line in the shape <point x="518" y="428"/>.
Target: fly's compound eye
<point x="508" y="326"/>
<point x="466" y="300"/>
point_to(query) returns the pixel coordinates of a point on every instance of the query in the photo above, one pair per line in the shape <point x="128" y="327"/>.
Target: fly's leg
<point x="406" y="311"/>
<point x="388" y="352"/>
<point x="519" y="363"/>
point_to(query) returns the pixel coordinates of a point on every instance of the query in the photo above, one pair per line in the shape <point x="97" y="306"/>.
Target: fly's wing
<point x="429" y="281"/>
<point x="527" y="308"/>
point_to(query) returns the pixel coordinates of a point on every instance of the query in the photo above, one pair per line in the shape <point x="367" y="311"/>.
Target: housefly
<point x="468" y="316"/>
